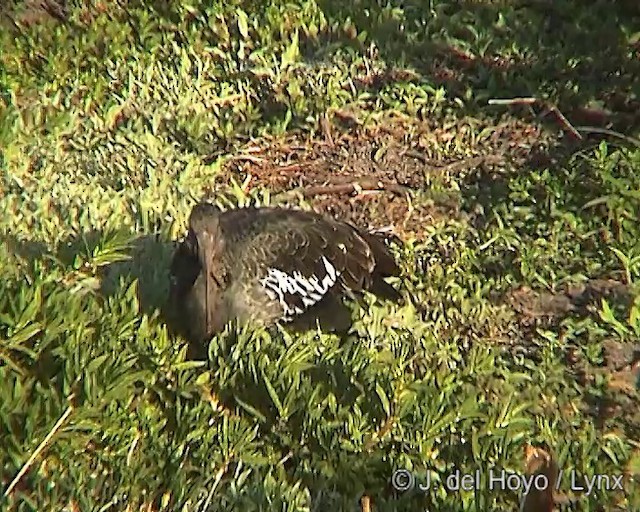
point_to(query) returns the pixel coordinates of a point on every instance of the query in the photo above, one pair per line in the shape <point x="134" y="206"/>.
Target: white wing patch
<point x="310" y="289"/>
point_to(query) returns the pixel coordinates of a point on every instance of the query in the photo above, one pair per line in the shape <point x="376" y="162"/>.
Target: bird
<point x="272" y="265"/>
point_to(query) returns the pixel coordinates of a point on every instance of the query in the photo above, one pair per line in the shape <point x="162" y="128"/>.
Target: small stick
<point x="513" y="101"/>
<point x="245" y="157"/>
<point x="325" y="125"/>
<point x="365" y="503"/>
<point x="564" y="122"/>
<point x="549" y="108"/>
<point x="366" y="194"/>
<point x="358" y="186"/>
<point x="605" y="131"/>
<point x="38" y="450"/>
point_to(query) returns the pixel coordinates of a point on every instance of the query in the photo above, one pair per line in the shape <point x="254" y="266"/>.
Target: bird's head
<point x="200" y="250"/>
<point x="198" y="272"/>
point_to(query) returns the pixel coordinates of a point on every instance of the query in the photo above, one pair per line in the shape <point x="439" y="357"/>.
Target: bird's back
<point x="282" y="264"/>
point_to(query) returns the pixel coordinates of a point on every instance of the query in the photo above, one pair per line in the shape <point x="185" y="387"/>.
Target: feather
<point x="297" y="291"/>
<point x="313" y="257"/>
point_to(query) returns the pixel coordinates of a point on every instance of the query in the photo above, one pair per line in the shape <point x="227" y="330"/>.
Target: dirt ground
<point x="379" y="178"/>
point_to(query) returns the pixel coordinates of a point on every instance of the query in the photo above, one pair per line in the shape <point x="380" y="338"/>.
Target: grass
<point x="115" y="121"/>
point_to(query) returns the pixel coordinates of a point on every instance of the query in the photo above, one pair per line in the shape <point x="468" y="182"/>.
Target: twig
<point x="245" y="157"/>
<point x="605" y="131"/>
<point x="38" y="450"/>
<point x="287" y="457"/>
<point x="367" y="186"/>
<point x="325" y="125"/>
<point x="251" y="149"/>
<point x="364" y="195"/>
<point x="513" y="101"/>
<point x="356" y="186"/>
<point x="563" y="121"/>
<point x="548" y="107"/>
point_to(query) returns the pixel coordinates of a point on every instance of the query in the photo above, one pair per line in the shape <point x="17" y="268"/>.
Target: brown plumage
<point x="271" y="264"/>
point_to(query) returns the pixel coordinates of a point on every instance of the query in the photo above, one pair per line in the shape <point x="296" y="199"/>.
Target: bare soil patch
<point x="383" y="177"/>
<point x="531" y="305"/>
<point x="620" y="360"/>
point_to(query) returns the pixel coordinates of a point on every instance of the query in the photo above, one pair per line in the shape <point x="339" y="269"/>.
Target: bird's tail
<point x="386" y="266"/>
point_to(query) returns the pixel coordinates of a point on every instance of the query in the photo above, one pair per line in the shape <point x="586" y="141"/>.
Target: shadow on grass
<point x="147" y="261"/>
<point x="578" y="56"/>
